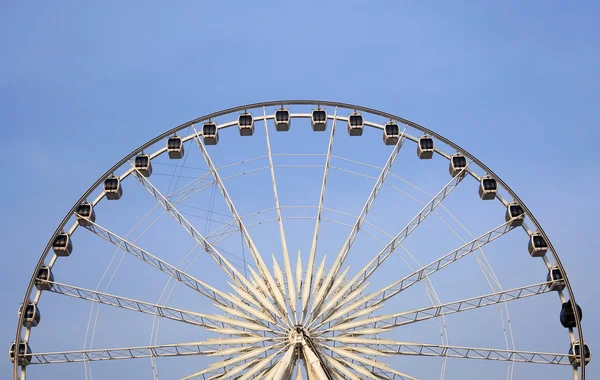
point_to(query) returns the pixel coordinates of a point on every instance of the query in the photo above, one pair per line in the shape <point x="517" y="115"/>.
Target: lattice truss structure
<point x="266" y="313"/>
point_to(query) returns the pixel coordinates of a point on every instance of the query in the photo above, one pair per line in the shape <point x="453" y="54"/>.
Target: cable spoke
<point x="284" y="248"/>
<point x="211" y="322"/>
<point x="195" y="185"/>
<point x="275" y="294"/>
<point x="378" y="260"/>
<point x="341" y="257"/>
<point x="313" y="249"/>
<point x="208" y="347"/>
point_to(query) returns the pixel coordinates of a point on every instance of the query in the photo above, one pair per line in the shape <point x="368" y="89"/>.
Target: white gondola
<point x="488" y="188"/>
<point x="85" y="214"/>
<point x="355" y="124"/>
<point x="574" y="354"/>
<point x="514" y="214"/>
<point x="556" y="279"/>
<point x="537" y="245"/>
<point x="318" y="119"/>
<point x="32" y="315"/>
<point x="175" y="147"/>
<point x="62" y="245"/>
<point x="246" y="124"/>
<point x="457" y="163"/>
<point x="210" y="133"/>
<point x="24" y="355"/>
<point x="44" y="274"/>
<point x="567" y="315"/>
<point x="113" y="188"/>
<point x="283" y="120"/>
<point x="143" y="164"/>
<point x="391" y="133"/>
<point x="425" y="147"/>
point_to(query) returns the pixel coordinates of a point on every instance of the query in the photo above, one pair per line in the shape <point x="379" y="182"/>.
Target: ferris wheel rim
<point x="308" y="102"/>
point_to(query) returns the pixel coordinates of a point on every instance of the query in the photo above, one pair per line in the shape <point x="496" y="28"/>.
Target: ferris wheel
<point x="225" y="248"/>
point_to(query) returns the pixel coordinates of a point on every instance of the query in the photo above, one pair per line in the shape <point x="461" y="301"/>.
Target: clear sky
<point x="84" y="83"/>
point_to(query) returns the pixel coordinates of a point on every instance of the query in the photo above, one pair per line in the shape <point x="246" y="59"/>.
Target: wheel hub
<point x="297" y="335"/>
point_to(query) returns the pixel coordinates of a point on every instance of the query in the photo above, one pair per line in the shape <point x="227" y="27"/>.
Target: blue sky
<point x="516" y="84"/>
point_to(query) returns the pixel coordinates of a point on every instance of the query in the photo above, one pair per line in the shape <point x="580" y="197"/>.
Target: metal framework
<point x="304" y="322"/>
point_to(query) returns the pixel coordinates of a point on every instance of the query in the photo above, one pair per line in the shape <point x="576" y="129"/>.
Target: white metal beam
<point x="398" y="286"/>
<point x="341" y="257"/>
<point x="313" y="362"/>
<point x="421" y="349"/>
<point x="227" y="267"/>
<point x="211" y="322"/>
<point x="285" y="365"/>
<point x="398" y="319"/>
<point x="165" y="350"/>
<point x="183" y="277"/>
<point x="286" y="257"/>
<point x="349" y="357"/>
<point x="341" y="368"/>
<point x="259" y="366"/>
<point x="313" y="250"/>
<point x="275" y="294"/>
<point x="213" y="373"/>
<point x="378" y="260"/>
<point x="370" y="372"/>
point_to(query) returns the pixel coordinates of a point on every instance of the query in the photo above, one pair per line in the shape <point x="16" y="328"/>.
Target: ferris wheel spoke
<point x="208" y="291"/>
<point x="209" y="347"/>
<point x="314" y="362"/>
<point x="207" y="373"/>
<point x="372" y="373"/>
<point x="342" y="368"/>
<point x="284" y="248"/>
<point x="380" y="369"/>
<point x="341" y="257"/>
<point x="253" y="367"/>
<point x="286" y="364"/>
<point x="422" y="349"/>
<point x="264" y="362"/>
<point x="274" y="291"/>
<point x="378" y="260"/>
<point x="210" y="322"/>
<point x="398" y="286"/>
<point x="313" y="248"/>
<point x="233" y="366"/>
<point x="267" y="373"/>
<point x="188" y="227"/>
<point x="387" y="322"/>
<point x="225" y="265"/>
